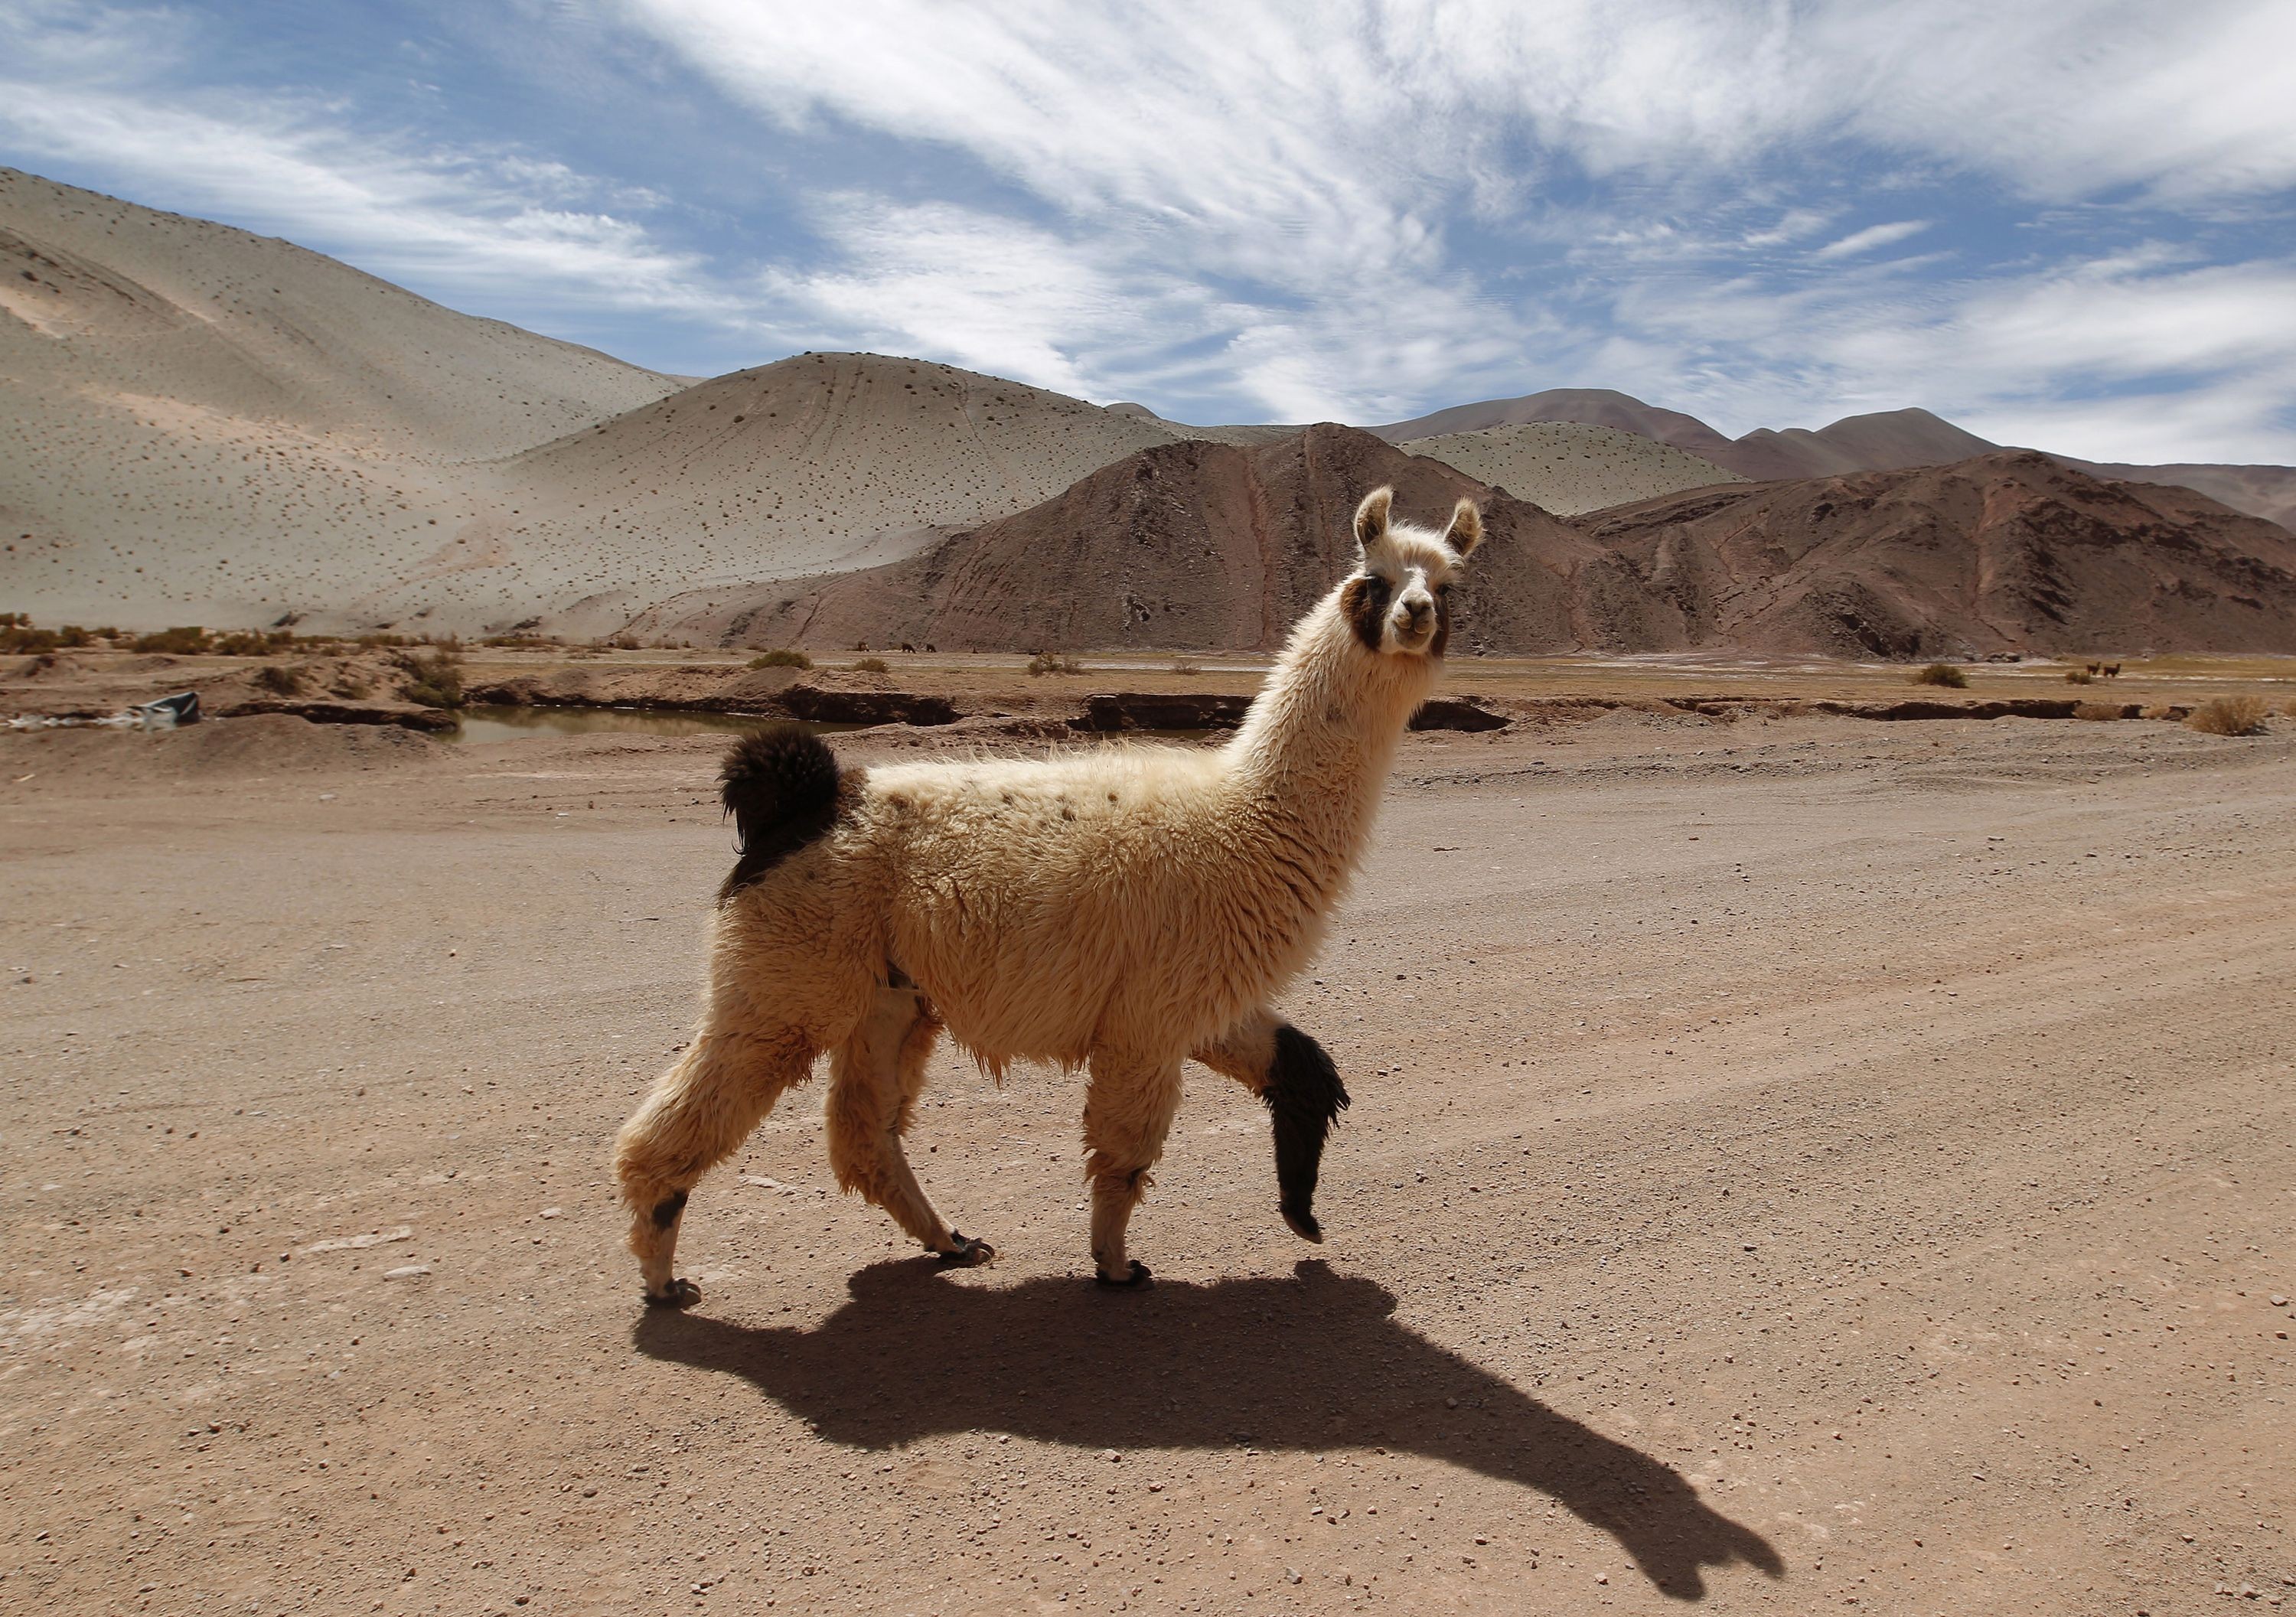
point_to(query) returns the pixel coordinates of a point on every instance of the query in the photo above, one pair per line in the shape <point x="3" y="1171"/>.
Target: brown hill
<point x="1884" y="441"/>
<point x="1196" y="545"/>
<point x="2006" y="551"/>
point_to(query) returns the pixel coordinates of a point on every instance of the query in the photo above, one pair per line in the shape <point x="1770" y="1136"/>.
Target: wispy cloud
<point x="1872" y="237"/>
<point x="1358" y="210"/>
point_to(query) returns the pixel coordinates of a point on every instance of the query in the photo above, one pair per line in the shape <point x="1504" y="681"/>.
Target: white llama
<point x="1120" y="911"/>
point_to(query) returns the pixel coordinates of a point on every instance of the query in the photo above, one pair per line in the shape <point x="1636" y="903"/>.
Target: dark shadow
<point x="1313" y="1362"/>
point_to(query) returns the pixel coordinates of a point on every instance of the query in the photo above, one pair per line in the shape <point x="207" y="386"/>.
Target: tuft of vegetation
<point x="18" y="634"/>
<point x="279" y="679"/>
<point x="623" y="642"/>
<point x="1054" y="662"/>
<point x="2229" y="716"/>
<point x="189" y="640"/>
<point x="520" y="642"/>
<point x="872" y="665"/>
<point x="786" y="658"/>
<point x="2096" y="711"/>
<point x="2080" y="677"/>
<point x="1942" y="673"/>
<point x="434" y="678"/>
<point x="252" y="643"/>
<point x="1181" y="665"/>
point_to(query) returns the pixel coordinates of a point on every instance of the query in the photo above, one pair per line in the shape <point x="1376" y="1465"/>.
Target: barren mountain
<point x="1567" y="467"/>
<point x="822" y="463"/>
<point x="1593" y="406"/>
<point x="2265" y="491"/>
<point x="1195" y="544"/>
<point x="198" y="424"/>
<point x="1884" y="440"/>
<point x="2010" y="550"/>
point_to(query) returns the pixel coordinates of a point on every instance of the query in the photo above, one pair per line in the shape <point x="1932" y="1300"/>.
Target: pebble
<point x="406" y="1272"/>
<point x="2279" y="1301"/>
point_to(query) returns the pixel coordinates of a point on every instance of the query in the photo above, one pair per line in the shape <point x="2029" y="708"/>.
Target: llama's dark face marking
<point x="1398" y="603"/>
<point x="1365" y="602"/>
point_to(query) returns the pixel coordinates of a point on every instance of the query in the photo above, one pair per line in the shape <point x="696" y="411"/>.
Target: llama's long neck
<point x="1311" y="758"/>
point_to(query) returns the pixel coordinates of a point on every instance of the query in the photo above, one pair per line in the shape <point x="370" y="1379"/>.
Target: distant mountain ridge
<point x="1884" y="440"/>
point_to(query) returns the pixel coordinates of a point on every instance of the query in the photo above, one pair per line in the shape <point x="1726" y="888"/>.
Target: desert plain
<point x="1796" y="1162"/>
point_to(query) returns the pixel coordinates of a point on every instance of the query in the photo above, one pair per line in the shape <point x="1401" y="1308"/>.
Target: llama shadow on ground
<point x="1313" y="1362"/>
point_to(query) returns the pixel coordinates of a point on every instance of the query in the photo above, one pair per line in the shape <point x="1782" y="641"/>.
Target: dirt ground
<point x="1794" y="1163"/>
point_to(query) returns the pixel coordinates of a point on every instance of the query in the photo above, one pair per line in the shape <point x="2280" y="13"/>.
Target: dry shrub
<point x="1944" y="674"/>
<point x="872" y="665"/>
<point x="2096" y="711"/>
<point x="1183" y="666"/>
<point x="2229" y="716"/>
<point x="434" y="679"/>
<point x="784" y="659"/>
<point x="2080" y="677"/>
<point x="2160" y="710"/>
<point x="1054" y="662"/>
<point x="187" y="640"/>
<point x="279" y="679"/>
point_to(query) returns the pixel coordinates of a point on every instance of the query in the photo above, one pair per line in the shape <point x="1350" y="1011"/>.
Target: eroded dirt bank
<point x="1792" y="1161"/>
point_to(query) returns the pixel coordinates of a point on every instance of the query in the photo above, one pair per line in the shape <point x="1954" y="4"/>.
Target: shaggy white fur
<point x="1120" y="911"/>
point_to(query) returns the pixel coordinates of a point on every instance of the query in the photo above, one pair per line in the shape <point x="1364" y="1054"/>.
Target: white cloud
<point x="1870" y="238"/>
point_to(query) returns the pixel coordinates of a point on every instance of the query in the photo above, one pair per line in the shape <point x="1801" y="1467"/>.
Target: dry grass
<point x="1054" y="662"/>
<point x="1944" y="674"/>
<point x="2080" y="677"/>
<point x="279" y="679"/>
<point x="1183" y="666"/>
<point x="872" y="665"/>
<point x="782" y="659"/>
<point x="2097" y="711"/>
<point x="2229" y="716"/>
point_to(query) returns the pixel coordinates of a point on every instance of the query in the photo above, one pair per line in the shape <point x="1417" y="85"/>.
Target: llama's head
<point x="1398" y="602"/>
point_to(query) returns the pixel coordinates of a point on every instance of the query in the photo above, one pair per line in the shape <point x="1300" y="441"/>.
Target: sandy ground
<point x="1795" y="1164"/>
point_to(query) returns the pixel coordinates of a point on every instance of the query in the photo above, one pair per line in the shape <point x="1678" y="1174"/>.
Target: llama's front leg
<point x="1128" y="1105"/>
<point x="874" y="1079"/>
<point x="1291" y="1072"/>
<point x="695" y="1116"/>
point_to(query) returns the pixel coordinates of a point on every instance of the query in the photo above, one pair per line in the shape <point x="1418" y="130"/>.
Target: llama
<point x="1120" y="911"/>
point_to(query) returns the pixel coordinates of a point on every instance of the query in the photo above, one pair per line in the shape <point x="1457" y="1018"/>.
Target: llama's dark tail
<point x="782" y="787"/>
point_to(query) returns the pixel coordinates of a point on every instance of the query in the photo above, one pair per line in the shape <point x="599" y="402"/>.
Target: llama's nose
<point x="1419" y="609"/>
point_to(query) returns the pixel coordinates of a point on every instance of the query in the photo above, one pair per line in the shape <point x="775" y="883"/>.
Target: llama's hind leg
<point x="1304" y="1096"/>
<point x="1129" y="1106"/>
<point x="876" y="1077"/>
<point x="697" y="1113"/>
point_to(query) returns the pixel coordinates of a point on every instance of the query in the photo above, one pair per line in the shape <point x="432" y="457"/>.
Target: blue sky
<point x="2057" y="223"/>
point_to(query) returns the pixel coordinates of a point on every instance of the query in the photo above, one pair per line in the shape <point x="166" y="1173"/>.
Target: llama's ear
<point x="1466" y="530"/>
<point x="1371" y="517"/>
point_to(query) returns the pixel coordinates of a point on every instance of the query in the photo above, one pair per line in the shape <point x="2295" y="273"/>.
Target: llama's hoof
<point x="1303" y="1225"/>
<point x="967" y="1253"/>
<point x="1130" y="1283"/>
<point x="677" y="1294"/>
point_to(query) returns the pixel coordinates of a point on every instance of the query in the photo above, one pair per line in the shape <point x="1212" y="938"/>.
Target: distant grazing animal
<point x="1119" y="910"/>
